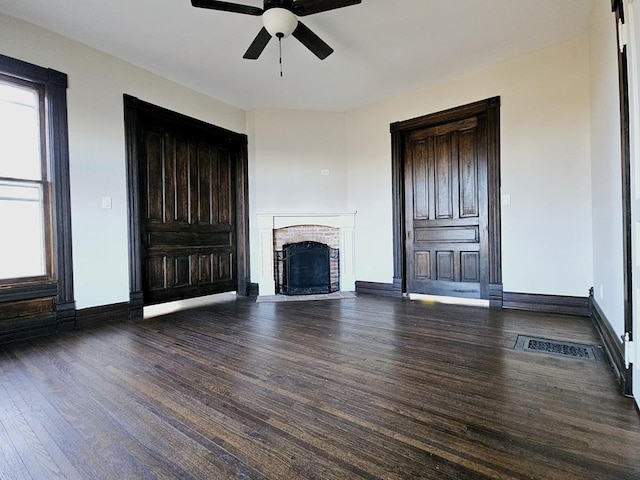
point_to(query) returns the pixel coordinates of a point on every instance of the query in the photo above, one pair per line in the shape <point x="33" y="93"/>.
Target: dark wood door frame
<point x="489" y="107"/>
<point x="617" y="6"/>
<point x="134" y="109"/>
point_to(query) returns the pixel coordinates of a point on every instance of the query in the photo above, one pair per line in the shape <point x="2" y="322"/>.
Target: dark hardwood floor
<point x="374" y="388"/>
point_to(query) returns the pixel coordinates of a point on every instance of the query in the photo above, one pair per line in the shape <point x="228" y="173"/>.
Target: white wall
<point x="606" y="166"/>
<point x="97" y="149"/>
<point x="545" y="161"/>
<point x="289" y="149"/>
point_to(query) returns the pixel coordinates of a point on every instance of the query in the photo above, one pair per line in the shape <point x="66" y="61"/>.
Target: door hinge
<point x="629" y="351"/>
<point x="623" y="35"/>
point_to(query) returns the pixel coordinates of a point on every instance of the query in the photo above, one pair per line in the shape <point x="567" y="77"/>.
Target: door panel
<point x="422" y="265"/>
<point x="453" y="234"/>
<point x="470" y="264"/>
<point x="445" y="265"/>
<point x="189" y="235"/>
<point x="468" y="174"/>
<point x="421" y="178"/>
<point x="446" y="209"/>
<point x="443" y="160"/>
<point x="154" y="146"/>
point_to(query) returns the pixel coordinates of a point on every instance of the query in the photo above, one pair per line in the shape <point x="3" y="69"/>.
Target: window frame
<point x="18" y="297"/>
<point x="43" y="181"/>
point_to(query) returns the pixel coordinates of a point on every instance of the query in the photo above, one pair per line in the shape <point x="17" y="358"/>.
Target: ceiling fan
<point x="280" y="19"/>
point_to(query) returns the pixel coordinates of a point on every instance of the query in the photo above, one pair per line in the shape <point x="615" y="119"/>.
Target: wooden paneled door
<point x="188" y="216"/>
<point x="446" y="201"/>
<point x="191" y="208"/>
<point x="448" y="165"/>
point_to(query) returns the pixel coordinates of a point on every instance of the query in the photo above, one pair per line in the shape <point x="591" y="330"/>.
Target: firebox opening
<point x="307" y="268"/>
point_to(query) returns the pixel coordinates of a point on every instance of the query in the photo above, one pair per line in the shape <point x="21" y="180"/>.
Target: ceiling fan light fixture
<point x="279" y="22"/>
<point x="280" y="19"/>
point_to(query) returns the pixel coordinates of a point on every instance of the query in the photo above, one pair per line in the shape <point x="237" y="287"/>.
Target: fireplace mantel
<point x="268" y="222"/>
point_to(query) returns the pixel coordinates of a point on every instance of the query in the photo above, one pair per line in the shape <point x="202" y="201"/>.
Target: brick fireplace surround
<point x="333" y="229"/>
<point x="329" y="236"/>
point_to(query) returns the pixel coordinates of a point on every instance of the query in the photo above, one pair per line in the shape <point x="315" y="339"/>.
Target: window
<point x="24" y="202"/>
<point x="36" y="283"/>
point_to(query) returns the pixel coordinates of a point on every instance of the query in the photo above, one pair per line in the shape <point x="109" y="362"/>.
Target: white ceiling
<point x="382" y="47"/>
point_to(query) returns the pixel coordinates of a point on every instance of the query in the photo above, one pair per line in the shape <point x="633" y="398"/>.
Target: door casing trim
<point x="490" y="107"/>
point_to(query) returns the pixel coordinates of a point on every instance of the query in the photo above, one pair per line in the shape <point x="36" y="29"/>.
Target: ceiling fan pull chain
<point x="280" y="51"/>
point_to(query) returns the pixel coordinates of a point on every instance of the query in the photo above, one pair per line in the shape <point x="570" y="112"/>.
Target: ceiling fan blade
<point x="258" y="45"/>
<point x="312" y="41"/>
<point x="227" y="7"/>
<point x="309" y="7"/>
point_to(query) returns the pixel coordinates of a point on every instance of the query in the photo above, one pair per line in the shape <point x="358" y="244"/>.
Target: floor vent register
<point x="559" y="347"/>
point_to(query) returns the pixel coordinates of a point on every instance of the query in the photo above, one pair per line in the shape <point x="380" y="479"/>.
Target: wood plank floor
<point x="362" y="388"/>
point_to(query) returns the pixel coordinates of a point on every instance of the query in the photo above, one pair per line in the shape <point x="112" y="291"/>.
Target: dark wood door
<point x="188" y="214"/>
<point x="446" y="208"/>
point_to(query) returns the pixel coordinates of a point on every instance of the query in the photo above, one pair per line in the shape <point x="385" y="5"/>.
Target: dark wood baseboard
<point x="66" y="316"/>
<point x="398" y="289"/>
<point x="495" y="295"/>
<point x="558" y="304"/>
<point x="613" y="346"/>
<point x="253" y="289"/>
<point x="24" y="319"/>
<point x="90" y="317"/>
<point x="136" y="304"/>
<point x="29" y="327"/>
<point x="375" y="288"/>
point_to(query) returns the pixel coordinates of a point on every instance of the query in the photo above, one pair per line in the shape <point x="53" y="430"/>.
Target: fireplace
<point x="278" y="229"/>
<point x="306" y="268"/>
